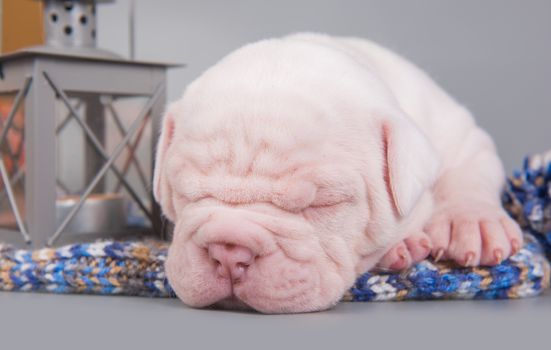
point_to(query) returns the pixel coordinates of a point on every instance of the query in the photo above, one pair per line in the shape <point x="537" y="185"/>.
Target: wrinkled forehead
<point x="251" y="139"/>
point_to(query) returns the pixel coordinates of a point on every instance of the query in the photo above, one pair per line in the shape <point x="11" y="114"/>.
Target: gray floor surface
<point x="45" y="321"/>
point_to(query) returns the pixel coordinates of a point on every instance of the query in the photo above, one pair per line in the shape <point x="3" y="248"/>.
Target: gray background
<point x="82" y="322"/>
<point x="494" y="56"/>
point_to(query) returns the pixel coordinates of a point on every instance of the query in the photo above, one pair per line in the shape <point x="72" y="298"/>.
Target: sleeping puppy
<point x="296" y="164"/>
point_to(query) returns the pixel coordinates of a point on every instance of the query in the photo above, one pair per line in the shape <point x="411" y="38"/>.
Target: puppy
<point x="296" y="164"/>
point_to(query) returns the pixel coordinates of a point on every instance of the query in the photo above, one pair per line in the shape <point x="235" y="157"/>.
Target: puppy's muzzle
<point x="233" y="244"/>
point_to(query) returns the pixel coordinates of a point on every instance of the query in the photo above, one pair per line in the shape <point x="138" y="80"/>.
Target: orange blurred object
<point x="21" y="24"/>
<point x="14" y="137"/>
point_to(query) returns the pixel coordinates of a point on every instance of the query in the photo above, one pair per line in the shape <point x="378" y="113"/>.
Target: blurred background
<point x="493" y="56"/>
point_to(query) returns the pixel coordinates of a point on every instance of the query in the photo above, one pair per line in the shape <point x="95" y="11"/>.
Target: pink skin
<point x="285" y="184"/>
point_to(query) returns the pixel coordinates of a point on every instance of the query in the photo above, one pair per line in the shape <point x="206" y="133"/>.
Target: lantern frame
<point x="42" y="76"/>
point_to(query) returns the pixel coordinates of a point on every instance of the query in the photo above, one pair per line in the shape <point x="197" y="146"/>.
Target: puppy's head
<point x="279" y="203"/>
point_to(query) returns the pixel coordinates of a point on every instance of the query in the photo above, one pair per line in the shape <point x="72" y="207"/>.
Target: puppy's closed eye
<point x="302" y="195"/>
<point x="328" y="197"/>
<point x="327" y="203"/>
<point x="294" y="195"/>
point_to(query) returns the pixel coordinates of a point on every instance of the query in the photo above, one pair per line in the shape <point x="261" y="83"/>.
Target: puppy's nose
<point x="231" y="260"/>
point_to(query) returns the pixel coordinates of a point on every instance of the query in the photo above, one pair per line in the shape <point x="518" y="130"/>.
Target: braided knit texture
<point x="137" y="267"/>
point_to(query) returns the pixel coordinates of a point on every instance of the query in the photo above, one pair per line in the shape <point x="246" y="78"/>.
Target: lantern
<point x="78" y="129"/>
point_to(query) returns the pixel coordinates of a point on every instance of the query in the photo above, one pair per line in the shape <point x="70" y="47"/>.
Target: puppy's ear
<point x="161" y="188"/>
<point x="412" y="164"/>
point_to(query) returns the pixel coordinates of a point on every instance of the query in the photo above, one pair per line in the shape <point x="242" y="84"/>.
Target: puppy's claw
<point x="402" y="254"/>
<point x="498" y="255"/>
<point x="515" y="246"/>
<point x="439" y="255"/>
<point x="469" y="257"/>
<point x="425" y="243"/>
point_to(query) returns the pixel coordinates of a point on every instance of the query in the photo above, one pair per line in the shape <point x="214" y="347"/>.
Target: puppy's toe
<point x="419" y="246"/>
<point x="396" y="259"/>
<point x="495" y="245"/>
<point x="513" y="233"/>
<point x="501" y="238"/>
<point x="438" y="231"/>
<point x="465" y="242"/>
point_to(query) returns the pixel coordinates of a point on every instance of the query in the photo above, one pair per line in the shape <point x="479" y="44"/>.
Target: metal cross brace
<point x="97" y="145"/>
<point x="15" y="155"/>
<point x="13" y="202"/>
<point x="4" y="173"/>
<point x="109" y="164"/>
<point x="14" y="180"/>
<point x="131" y="159"/>
<point x="67" y="118"/>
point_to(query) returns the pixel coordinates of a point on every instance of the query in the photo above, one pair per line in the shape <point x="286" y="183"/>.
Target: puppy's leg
<point x="469" y="224"/>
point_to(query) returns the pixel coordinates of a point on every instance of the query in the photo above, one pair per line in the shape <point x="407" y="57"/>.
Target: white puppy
<point x="296" y="164"/>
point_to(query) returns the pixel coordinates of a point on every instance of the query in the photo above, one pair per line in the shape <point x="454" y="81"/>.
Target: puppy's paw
<point x="411" y="250"/>
<point x="473" y="233"/>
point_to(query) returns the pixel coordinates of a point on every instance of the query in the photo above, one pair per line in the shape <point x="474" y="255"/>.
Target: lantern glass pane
<point x="114" y="205"/>
<point x="135" y="160"/>
<point x="70" y="149"/>
<point x="13" y="156"/>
